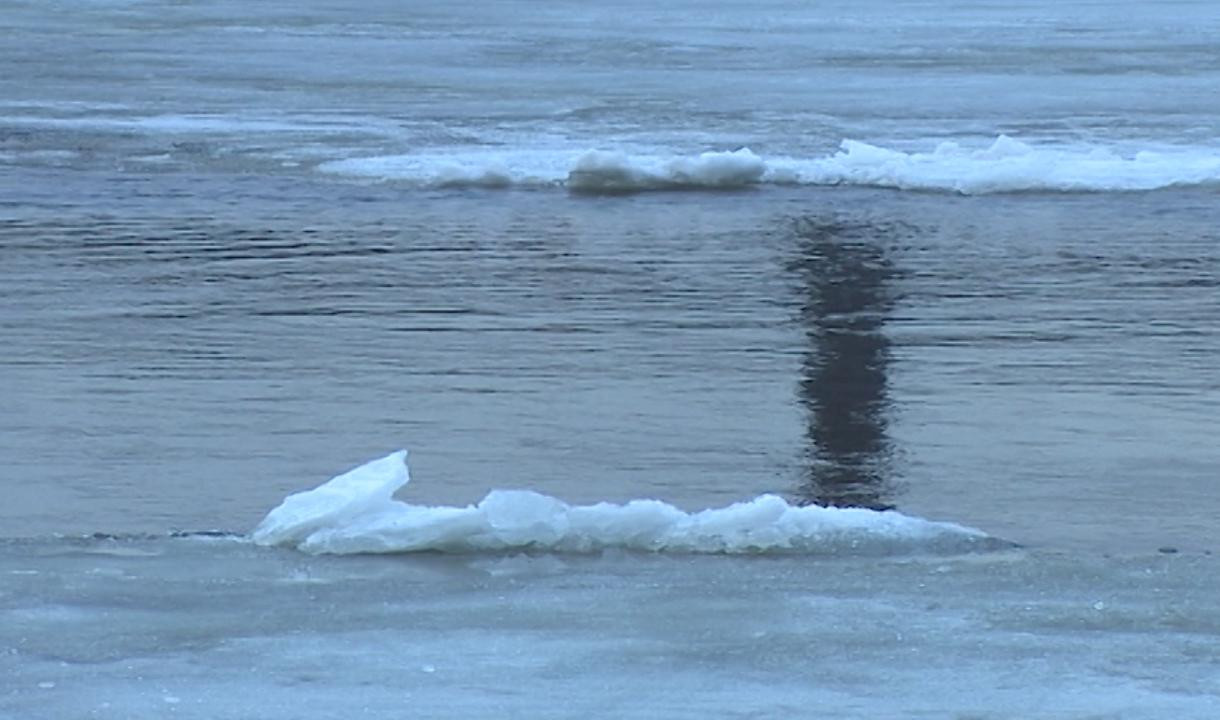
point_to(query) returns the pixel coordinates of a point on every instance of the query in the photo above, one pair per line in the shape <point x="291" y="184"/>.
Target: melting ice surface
<point x="355" y="513"/>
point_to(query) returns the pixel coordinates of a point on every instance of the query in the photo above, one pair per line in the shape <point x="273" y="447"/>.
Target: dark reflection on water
<point x="845" y="279"/>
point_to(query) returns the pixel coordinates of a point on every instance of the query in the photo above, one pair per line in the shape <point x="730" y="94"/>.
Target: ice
<point x="455" y="169"/>
<point x="590" y="171"/>
<point x="226" y="632"/>
<point x="183" y="124"/>
<point x="616" y="172"/>
<point x="1005" y="165"/>
<point x="343" y="498"/>
<point x="356" y="513"/>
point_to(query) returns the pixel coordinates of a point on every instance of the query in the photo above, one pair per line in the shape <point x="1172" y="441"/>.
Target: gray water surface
<point x="1037" y="366"/>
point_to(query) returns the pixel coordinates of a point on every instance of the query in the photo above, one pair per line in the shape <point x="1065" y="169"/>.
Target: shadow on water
<point x="844" y="279"/>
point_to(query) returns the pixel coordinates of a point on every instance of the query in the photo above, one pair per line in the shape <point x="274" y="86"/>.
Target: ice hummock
<point x="356" y="513"/>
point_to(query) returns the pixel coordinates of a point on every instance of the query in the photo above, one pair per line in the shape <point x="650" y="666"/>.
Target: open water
<point x="953" y="261"/>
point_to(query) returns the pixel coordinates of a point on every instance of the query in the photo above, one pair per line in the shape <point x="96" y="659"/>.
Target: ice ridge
<point x="1006" y="165"/>
<point x="356" y="513"/>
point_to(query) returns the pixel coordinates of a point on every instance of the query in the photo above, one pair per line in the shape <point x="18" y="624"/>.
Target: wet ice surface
<point x="223" y="629"/>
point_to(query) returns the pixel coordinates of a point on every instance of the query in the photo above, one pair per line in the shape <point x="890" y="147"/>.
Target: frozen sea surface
<point x="980" y="97"/>
<point x="355" y="512"/>
<point x="221" y="629"/>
